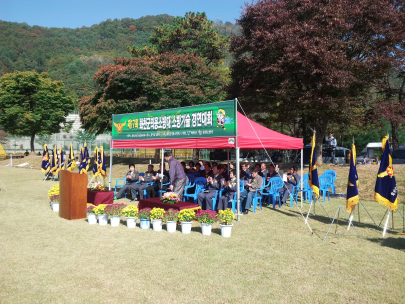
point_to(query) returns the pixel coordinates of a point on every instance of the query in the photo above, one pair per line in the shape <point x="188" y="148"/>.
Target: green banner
<point x="208" y="120"/>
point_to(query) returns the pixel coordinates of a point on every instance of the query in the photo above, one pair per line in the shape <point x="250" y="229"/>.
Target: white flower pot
<point x="171" y="226"/>
<point x="186" y="227"/>
<point x="206" y="229"/>
<point x="55" y="206"/>
<point x="131" y="222"/>
<point x="115" y="220"/>
<point x="226" y="230"/>
<point x="102" y="219"/>
<point x="91" y="218"/>
<point x="157" y="225"/>
<point x="144" y="223"/>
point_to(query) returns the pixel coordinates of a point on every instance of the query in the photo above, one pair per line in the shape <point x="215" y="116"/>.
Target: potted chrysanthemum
<point x="144" y="218"/>
<point x="186" y="217"/>
<point x="102" y="217"/>
<point x="53" y="194"/>
<point x="170" y="198"/>
<point x="114" y="211"/>
<point x="225" y="218"/>
<point x="206" y="219"/>
<point x="156" y="215"/>
<point x="171" y="217"/>
<point x="91" y="216"/>
<point x="131" y="212"/>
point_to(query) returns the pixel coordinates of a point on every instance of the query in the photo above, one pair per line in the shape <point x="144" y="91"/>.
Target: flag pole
<point x="403" y="220"/>
<point x="386" y="223"/>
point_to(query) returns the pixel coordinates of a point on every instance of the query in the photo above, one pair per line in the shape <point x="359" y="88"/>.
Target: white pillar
<point x="111" y="164"/>
<point x="237" y="184"/>
<point x="161" y="171"/>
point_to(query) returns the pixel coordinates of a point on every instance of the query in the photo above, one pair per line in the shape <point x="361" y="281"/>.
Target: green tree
<point x="190" y="34"/>
<point x="31" y="104"/>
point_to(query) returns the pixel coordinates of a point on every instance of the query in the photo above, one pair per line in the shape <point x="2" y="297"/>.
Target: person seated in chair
<point x="214" y="183"/>
<point x="293" y="179"/>
<point x="244" y="172"/>
<point x="208" y="171"/>
<point x="263" y="171"/>
<point x="153" y="190"/>
<point x="131" y="178"/>
<point x="254" y="183"/>
<point x="147" y="178"/>
<point x="198" y="171"/>
<point x="190" y="165"/>
<point x="229" y="194"/>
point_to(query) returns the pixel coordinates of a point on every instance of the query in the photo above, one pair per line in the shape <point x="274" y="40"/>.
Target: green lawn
<point x="271" y="257"/>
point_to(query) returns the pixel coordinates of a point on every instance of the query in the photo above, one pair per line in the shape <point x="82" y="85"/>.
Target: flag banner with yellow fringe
<point x="61" y="161"/>
<point x="95" y="165"/>
<point x="386" y="191"/>
<point x="102" y="169"/>
<point x="313" y="169"/>
<point x="45" y="166"/>
<point x="352" y="195"/>
<point x="84" y="160"/>
<point x="54" y="162"/>
<point x="71" y="160"/>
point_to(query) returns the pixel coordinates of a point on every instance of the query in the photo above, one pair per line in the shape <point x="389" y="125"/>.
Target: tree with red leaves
<point x="163" y="81"/>
<point x="314" y="61"/>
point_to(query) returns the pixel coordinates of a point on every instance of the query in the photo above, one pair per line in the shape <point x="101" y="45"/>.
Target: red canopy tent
<point x="250" y="135"/>
<point x="246" y="139"/>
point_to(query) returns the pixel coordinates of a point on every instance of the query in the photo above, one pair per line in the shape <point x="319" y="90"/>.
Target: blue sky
<point x="76" y="13"/>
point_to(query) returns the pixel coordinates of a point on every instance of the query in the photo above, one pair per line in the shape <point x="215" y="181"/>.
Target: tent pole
<point x="228" y="167"/>
<point x="111" y="163"/>
<point x="161" y="172"/>
<point x="237" y="163"/>
<point x="302" y="172"/>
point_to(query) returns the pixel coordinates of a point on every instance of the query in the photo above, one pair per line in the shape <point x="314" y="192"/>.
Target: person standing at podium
<point x="131" y="178"/>
<point x="177" y="175"/>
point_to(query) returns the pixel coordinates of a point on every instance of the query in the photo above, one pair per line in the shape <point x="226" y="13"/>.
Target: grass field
<point x="271" y="256"/>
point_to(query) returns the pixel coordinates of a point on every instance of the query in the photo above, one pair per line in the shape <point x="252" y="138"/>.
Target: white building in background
<point x="60" y="139"/>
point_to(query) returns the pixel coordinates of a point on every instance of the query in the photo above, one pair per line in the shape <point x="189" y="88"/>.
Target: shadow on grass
<point x="395" y="243"/>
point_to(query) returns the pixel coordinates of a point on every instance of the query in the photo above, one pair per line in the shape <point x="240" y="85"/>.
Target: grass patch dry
<point x="271" y="257"/>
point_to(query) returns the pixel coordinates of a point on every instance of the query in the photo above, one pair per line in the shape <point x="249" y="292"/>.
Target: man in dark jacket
<point x="293" y="179"/>
<point x="153" y="190"/>
<point x="230" y="190"/>
<point x="131" y="178"/>
<point x="214" y="183"/>
<point x="147" y="178"/>
<point x="254" y="184"/>
<point x="177" y="175"/>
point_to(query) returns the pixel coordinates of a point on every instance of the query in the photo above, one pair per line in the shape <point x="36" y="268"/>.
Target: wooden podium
<point x="72" y="195"/>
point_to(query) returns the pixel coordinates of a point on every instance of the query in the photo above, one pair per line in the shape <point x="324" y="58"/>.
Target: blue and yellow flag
<point x="352" y="196"/>
<point x="95" y="165"/>
<point x="71" y="160"/>
<point x="386" y="191"/>
<point x="61" y="161"/>
<point x="45" y="166"/>
<point x="102" y="169"/>
<point x="313" y="170"/>
<point x="85" y="159"/>
<point x="54" y="160"/>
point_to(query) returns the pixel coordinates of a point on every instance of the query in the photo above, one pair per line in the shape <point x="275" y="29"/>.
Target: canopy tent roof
<point x="247" y="139"/>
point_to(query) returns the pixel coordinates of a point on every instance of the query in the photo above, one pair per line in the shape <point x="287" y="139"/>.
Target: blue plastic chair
<point x="191" y="178"/>
<point x="258" y="198"/>
<point x="199" y="185"/>
<point x="163" y="191"/>
<point x="119" y="185"/>
<point x="333" y="174"/>
<point x="267" y="192"/>
<point x="306" y="192"/>
<point x="325" y="181"/>
<point x="275" y="184"/>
